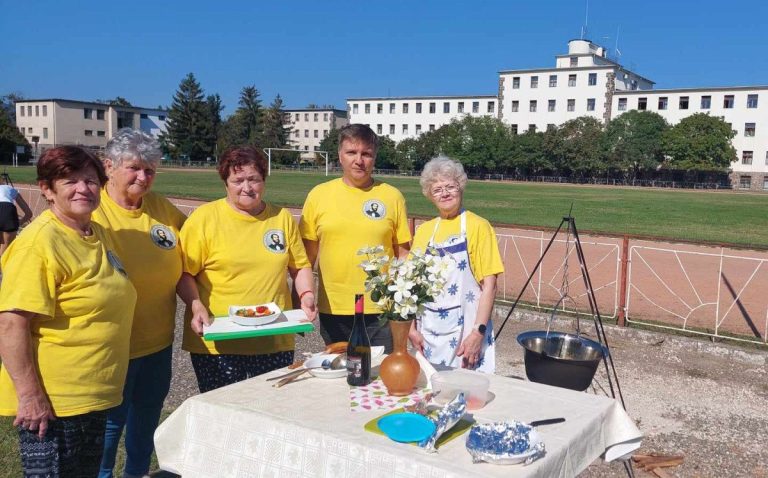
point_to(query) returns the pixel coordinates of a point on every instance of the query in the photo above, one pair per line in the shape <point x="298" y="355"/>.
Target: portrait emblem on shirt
<point x="163" y="236"/>
<point x="274" y="241"/>
<point x="374" y="209"/>
<point x="115" y="262"/>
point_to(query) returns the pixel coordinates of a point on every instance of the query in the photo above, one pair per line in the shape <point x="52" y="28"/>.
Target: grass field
<point x="700" y="216"/>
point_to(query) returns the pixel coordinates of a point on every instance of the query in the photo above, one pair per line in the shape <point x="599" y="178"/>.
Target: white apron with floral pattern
<point x="451" y="317"/>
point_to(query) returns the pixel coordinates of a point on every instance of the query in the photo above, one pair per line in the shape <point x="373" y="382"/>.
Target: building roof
<point x="447" y="97"/>
<point x="612" y="66"/>
<point x="64" y="100"/>
<point x="693" y="89"/>
<point x="313" y="110"/>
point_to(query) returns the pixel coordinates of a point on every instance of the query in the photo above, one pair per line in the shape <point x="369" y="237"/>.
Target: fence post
<point x="622" y="317"/>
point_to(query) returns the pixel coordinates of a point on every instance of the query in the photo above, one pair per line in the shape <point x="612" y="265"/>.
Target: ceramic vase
<point x="399" y="371"/>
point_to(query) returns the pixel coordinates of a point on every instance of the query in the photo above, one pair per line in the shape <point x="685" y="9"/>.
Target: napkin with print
<point x="374" y="397"/>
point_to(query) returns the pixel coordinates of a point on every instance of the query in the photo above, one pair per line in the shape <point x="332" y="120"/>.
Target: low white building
<point x="309" y="126"/>
<point x="53" y="122"/>
<point x="409" y="117"/>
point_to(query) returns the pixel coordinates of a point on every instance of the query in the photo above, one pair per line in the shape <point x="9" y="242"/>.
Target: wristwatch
<point x="481" y="328"/>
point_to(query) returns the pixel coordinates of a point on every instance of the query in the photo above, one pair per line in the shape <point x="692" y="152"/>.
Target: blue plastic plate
<point x="406" y="427"/>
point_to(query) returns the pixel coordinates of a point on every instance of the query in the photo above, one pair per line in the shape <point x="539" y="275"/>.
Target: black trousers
<point x="338" y="328"/>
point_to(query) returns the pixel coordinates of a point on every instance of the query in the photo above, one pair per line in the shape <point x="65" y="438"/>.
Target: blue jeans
<point x="146" y="386"/>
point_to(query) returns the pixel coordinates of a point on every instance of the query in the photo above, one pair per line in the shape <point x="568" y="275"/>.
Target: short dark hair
<point x="238" y="157"/>
<point x="359" y="132"/>
<point x="60" y="162"/>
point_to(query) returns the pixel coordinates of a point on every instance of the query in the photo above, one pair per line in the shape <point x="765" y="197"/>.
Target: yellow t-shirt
<point x="146" y="240"/>
<point x="343" y="219"/>
<point x="84" y="309"/>
<point x="483" y="248"/>
<point x="240" y="260"/>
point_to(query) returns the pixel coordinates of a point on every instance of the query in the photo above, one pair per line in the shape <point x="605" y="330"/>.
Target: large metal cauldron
<point x="559" y="359"/>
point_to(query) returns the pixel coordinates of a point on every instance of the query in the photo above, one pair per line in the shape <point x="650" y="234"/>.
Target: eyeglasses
<point x="450" y="189"/>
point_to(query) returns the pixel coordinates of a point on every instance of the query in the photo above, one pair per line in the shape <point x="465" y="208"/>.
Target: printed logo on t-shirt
<point x="163" y="236"/>
<point x="374" y="209"/>
<point x="274" y="240"/>
<point x="115" y="262"/>
<point x="452" y="239"/>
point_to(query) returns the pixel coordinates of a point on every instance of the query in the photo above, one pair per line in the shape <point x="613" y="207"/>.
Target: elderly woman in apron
<point x="456" y="329"/>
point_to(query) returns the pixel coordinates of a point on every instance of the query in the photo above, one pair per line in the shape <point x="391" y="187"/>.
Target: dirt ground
<point x="689" y="396"/>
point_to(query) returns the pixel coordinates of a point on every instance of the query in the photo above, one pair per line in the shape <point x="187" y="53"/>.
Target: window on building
<point x="515" y="82"/>
<point x="296" y="133"/>
<point x="316" y="117"/>
<point x="418" y="107"/>
<point x="89" y="132"/>
<point x="534" y="81"/>
<point x="766" y="159"/>
<point x="532" y="106"/>
<point x="367" y="108"/>
<point x="460" y="107"/>
<point x="706" y="102"/>
<point x="45" y="109"/>
<point x="306" y="133"/>
<point x="571" y="80"/>
<point x="663" y="102"/>
<point x="45" y="133"/>
<point x="392" y="107"/>
<point x="531" y="128"/>
<point x="29" y="130"/>
<point x="379" y="129"/>
<point x="29" y="110"/>
<point x="144" y="116"/>
<point x="306" y="147"/>
<point x="513" y="128"/>
<point x="749" y="129"/>
<point x="418" y="129"/>
<point x="306" y="116"/>
<point x="316" y="148"/>
<point x="515" y="106"/>
<point x="325" y="116"/>
<point x="765" y="182"/>
<point x="592" y="79"/>
<point x="22" y="130"/>
<point x="21" y="111"/>
<point x="491" y="106"/>
<point x="391" y="129"/>
<point x="552" y="81"/>
<point x="590" y="104"/>
<point x="751" y="101"/>
<point x="551" y="127"/>
<point x="551" y="105"/>
<point x="728" y="102"/>
<point x="405" y="108"/>
<point x="746" y="158"/>
<point x="325" y="133"/>
<point x="297" y="116"/>
<point x="574" y="61"/>
<point x="642" y="104"/>
<point x="316" y="133"/>
<point x="405" y="129"/>
<point x="475" y="106"/>
<point x="683" y="105"/>
<point x="161" y="117"/>
<point x="745" y="182"/>
<point x="100" y="134"/>
<point x="431" y="127"/>
<point x="622" y="104"/>
<point x="432" y="107"/>
<point x="87" y="114"/>
<point x="355" y="110"/>
<point x="571" y="104"/>
<point x="379" y="108"/>
<point x="633" y="85"/>
<point x="446" y="107"/>
<point x="37" y="110"/>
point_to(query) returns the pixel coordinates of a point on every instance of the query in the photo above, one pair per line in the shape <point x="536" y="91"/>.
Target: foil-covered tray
<point x="504" y="443"/>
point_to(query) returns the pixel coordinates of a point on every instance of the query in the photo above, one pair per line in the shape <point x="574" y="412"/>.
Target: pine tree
<point x="189" y="129"/>
<point x="274" y="132"/>
<point x="250" y="112"/>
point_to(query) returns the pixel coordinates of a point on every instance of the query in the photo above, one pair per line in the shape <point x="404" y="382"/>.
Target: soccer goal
<point x="324" y="154"/>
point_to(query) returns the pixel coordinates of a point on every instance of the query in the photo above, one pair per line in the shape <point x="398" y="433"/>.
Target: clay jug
<point x="399" y="371"/>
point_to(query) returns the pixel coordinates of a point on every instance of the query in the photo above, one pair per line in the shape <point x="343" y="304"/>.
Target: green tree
<point x="10" y="136"/>
<point x="8" y="103"/>
<point x="575" y="146"/>
<point x="189" y="130"/>
<point x="386" y="156"/>
<point x="529" y="156"/>
<point x="481" y="144"/>
<point x="633" y="142"/>
<point x="274" y="132"/>
<point x="215" y="107"/>
<point x="250" y="112"/>
<point x="331" y="144"/>
<point x="699" y="142"/>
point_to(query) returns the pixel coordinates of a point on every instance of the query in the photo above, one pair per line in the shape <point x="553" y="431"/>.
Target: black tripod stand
<point x="6" y="178"/>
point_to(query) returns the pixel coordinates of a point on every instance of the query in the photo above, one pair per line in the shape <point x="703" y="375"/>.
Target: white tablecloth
<point x="306" y="429"/>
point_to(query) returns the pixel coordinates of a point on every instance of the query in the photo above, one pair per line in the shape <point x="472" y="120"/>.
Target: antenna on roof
<point x="586" y="21"/>
<point x="616" y="50"/>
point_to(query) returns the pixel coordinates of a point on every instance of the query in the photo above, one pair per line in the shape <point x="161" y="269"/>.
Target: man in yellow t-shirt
<point x="340" y="217"/>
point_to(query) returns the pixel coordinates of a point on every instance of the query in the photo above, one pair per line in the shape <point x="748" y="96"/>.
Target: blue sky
<point x="326" y="51"/>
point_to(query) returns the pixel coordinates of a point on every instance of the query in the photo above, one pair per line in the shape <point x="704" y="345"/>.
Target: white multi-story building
<point x="583" y="82"/>
<point x="51" y="122"/>
<point x="308" y="127"/>
<point x="409" y="117"/>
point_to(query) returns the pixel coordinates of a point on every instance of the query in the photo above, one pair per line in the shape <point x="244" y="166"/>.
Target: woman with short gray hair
<point x="145" y="227"/>
<point x="456" y="328"/>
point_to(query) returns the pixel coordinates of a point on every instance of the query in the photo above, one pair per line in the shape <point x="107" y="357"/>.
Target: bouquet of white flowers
<point x="402" y="287"/>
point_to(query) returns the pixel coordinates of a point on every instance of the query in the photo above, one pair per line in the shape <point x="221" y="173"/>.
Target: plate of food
<point x="315" y="362"/>
<point x="261" y="314"/>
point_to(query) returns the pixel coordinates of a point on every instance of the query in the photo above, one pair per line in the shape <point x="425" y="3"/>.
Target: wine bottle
<point x="359" y="348"/>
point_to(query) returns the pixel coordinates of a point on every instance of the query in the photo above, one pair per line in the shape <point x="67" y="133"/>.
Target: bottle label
<point x="355" y="367"/>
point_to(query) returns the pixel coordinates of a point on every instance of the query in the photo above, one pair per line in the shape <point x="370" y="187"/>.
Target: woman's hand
<point x="200" y="317"/>
<point x="34" y="412"/>
<point x="416" y="338"/>
<point x="309" y="307"/>
<point x="470" y="349"/>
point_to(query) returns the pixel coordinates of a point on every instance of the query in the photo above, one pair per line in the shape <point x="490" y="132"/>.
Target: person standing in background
<point x="9" y="216"/>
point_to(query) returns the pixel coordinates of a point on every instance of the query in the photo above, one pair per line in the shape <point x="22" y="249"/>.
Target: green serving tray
<point x="257" y="332"/>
